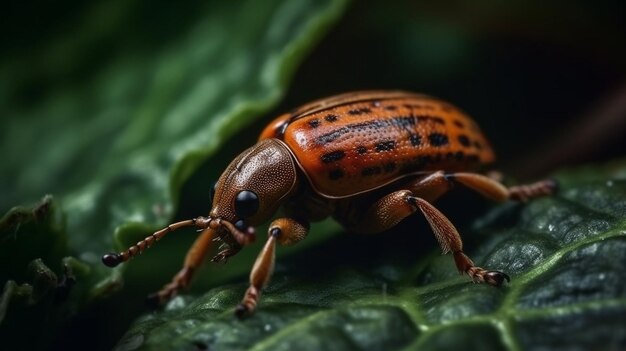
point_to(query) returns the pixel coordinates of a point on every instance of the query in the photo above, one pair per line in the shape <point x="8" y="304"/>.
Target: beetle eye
<point x="246" y="204"/>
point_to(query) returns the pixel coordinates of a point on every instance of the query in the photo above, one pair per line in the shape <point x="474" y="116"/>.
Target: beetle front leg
<point x="285" y="231"/>
<point x="194" y="258"/>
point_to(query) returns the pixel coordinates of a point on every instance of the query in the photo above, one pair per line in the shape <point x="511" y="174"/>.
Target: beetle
<point x="369" y="159"/>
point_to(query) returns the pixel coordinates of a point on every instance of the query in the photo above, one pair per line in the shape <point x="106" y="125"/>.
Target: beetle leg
<point x="384" y="213"/>
<point x="494" y="190"/>
<point x="194" y="258"/>
<point x="450" y="241"/>
<point x="432" y="186"/>
<point x="391" y="209"/>
<point x="527" y="192"/>
<point x="285" y="231"/>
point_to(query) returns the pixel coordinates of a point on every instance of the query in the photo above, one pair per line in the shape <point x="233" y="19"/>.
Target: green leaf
<point x="566" y="255"/>
<point x="118" y="146"/>
<point x="112" y="110"/>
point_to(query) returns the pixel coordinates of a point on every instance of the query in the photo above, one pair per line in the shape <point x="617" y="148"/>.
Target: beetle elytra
<point x="369" y="159"/>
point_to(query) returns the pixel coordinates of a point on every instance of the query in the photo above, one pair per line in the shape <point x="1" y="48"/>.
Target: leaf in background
<point x="566" y="255"/>
<point x="115" y="107"/>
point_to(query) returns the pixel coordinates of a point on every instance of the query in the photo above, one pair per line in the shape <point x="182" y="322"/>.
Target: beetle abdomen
<point x="357" y="142"/>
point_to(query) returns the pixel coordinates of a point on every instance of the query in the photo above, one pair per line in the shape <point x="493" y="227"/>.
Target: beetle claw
<point x="241" y="311"/>
<point x="223" y="255"/>
<point x="220" y="258"/>
<point x="496" y="278"/>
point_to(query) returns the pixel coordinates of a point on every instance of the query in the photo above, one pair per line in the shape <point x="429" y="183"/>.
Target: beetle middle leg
<point x="285" y="231"/>
<point x="438" y="183"/>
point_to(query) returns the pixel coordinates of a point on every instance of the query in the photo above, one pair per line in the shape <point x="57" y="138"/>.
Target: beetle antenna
<point x="113" y="259"/>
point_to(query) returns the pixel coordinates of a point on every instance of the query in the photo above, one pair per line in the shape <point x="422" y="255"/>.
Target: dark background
<point x="529" y="73"/>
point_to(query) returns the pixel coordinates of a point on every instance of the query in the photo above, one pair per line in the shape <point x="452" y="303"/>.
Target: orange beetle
<point x="369" y="159"/>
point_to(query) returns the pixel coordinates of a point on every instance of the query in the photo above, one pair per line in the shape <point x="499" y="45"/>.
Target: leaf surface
<point x="566" y="255"/>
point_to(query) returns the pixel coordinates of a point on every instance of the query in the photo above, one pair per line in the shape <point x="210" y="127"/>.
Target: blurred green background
<point x="126" y="111"/>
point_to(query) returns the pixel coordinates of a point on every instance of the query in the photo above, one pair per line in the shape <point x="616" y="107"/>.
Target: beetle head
<point x="248" y="193"/>
<point x="253" y="186"/>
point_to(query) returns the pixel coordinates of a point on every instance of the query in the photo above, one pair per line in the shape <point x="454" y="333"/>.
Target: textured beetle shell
<point x="356" y="142"/>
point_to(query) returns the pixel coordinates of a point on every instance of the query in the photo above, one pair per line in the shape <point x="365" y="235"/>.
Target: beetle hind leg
<point x="479" y="275"/>
<point x="392" y="208"/>
<point x="450" y="241"/>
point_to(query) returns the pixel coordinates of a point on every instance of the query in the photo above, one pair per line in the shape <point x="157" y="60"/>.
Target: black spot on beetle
<point x="401" y="121"/>
<point x="361" y="150"/>
<point x="335" y="174"/>
<point x="332" y="136"/>
<point x="438" y="139"/>
<point x="370" y="171"/>
<point x="333" y="156"/>
<point x="415" y="139"/>
<point x="331" y="118"/>
<point x="386" y="145"/>
<point x="459" y="155"/>
<point x="390" y="108"/>
<point x="329" y="137"/>
<point x="478" y="145"/>
<point x="314" y="123"/>
<point x="359" y="111"/>
<point x="459" y="124"/>
<point x="377" y="124"/>
<point x="464" y="140"/>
